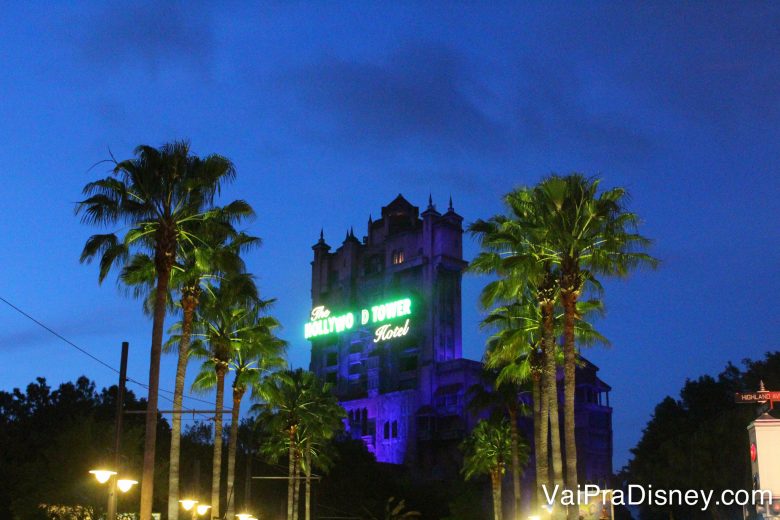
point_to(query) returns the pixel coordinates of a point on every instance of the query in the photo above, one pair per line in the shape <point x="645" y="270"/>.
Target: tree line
<point x="699" y="440"/>
<point x="52" y="437"/>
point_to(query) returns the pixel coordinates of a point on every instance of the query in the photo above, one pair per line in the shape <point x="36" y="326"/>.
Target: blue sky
<point x="330" y="109"/>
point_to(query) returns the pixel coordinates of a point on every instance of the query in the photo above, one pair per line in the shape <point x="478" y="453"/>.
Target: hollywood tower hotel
<point x="385" y="329"/>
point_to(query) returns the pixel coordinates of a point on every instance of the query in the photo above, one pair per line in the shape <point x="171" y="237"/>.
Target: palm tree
<point x="217" y="254"/>
<point x="515" y="352"/>
<point x="503" y="398"/>
<point x="257" y="354"/>
<point x="300" y="412"/>
<point x="515" y="251"/>
<point x="485" y="451"/>
<point x="319" y="426"/>
<point x="158" y="196"/>
<point x="588" y="233"/>
<point x="221" y="324"/>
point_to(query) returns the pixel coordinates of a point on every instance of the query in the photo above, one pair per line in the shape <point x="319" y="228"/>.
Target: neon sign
<point x="322" y="322"/>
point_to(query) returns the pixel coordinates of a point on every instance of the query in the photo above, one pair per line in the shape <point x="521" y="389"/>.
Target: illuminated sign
<point x="322" y="322"/>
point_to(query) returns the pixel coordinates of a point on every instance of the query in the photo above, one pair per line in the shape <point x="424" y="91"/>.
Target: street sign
<point x="756" y="397"/>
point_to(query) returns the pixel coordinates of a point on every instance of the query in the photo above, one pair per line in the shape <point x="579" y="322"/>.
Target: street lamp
<point x="124" y="484"/>
<point x="102" y="475"/>
<point x="188" y="504"/>
<point x="110" y="476"/>
<point x="192" y="505"/>
<point x="105" y="475"/>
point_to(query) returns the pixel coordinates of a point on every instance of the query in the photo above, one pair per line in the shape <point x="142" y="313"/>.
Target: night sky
<point x="329" y="110"/>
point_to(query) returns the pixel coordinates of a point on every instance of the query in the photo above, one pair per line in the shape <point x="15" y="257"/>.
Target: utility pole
<point x="120" y="404"/>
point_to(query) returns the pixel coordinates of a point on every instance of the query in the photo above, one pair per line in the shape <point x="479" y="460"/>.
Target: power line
<point x="63" y="338"/>
<point x="95" y="358"/>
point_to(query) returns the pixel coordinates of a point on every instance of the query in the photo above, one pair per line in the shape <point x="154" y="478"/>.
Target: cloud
<point x="553" y="111"/>
<point x="98" y="322"/>
<point x="417" y="93"/>
<point x="713" y="62"/>
<point x="152" y="34"/>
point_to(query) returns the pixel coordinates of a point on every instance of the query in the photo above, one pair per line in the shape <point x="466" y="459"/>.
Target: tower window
<point x="333" y="359"/>
<point x="398" y="256"/>
<point x="387" y="430"/>
<point x="395" y="429"/>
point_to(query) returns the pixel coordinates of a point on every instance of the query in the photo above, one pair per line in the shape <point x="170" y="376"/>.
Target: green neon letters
<point x="323" y="323"/>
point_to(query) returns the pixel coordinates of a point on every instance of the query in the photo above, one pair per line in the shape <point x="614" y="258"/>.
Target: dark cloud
<point x="712" y="62"/>
<point x="100" y="321"/>
<point x="417" y="93"/>
<point x="720" y="63"/>
<point x="155" y="35"/>
<point x="419" y="97"/>
<point x="553" y="114"/>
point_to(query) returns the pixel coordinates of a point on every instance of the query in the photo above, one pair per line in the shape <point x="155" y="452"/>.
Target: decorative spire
<point x="352" y="232"/>
<point x="450" y="207"/>
<point x="430" y="201"/>
<point x="370" y="220"/>
<point x="321" y="245"/>
<point x="761" y="387"/>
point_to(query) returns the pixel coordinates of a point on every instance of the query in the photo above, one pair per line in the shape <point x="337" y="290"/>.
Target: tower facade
<point x="385" y="330"/>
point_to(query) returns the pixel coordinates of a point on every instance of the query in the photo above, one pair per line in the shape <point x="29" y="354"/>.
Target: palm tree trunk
<point x="248" y="482"/>
<point x="291" y="474"/>
<point x="297" y="493"/>
<point x="539" y="448"/>
<point x="238" y="394"/>
<point x="569" y="299"/>
<point x="555" y="433"/>
<point x="216" y="472"/>
<point x="150" y="438"/>
<point x="188" y="305"/>
<point x="515" y="459"/>
<point x="308" y="479"/>
<point x="543" y="453"/>
<point x="551" y="384"/>
<point x="495" y="477"/>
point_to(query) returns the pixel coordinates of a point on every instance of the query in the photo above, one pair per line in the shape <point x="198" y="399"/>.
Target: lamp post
<point x="110" y="476"/>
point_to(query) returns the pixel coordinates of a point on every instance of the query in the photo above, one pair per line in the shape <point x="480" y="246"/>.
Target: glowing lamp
<point x="535" y="517"/>
<point x="125" y="484"/>
<point x="244" y="516"/>
<point x="201" y="510"/>
<point x="102" y="475"/>
<point x="188" y="504"/>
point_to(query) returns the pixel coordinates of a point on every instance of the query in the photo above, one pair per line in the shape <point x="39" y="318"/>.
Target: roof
<point x="399" y="205"/>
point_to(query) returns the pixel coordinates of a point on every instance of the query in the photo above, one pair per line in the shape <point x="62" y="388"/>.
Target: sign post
<point x="764" y="439"/>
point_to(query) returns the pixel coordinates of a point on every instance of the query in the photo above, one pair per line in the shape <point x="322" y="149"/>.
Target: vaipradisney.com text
<point x="636" y="494"/>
